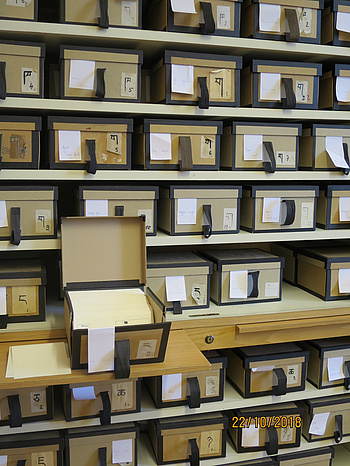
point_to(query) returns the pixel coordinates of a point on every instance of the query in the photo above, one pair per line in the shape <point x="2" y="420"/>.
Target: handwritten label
<point x="82" y="74"/>
<point x="29" y="81"/>
<point x="210" y="443"/>
<point x="186" y="211"/>
<point x="182" y="79"/>
<point x="286" y="434"/>
<point x="69" y="146"/>
<point x="96" y="208"/>
<point x="271" y="210"/>
<point x="45" y="458"/>
<point x="319" y="424"/>
<point x="293" y="374"/>
<point x="253" y="147"/>
<point x="114" y="143"/>
<point x="335" y="150"/>
<point x="146" y="349"/>
<point x="220" y="84"/>
<point x="20" y="3"/>
<point x="285" y="159"/>
<point x="148" y="213"/>
<point x="230" y="218"/>
<point x="305" y="20"/>
<point x="301" y="92"/>
<point x="270" y="86"/>
<point x="122" y="395"/>
<point x="199" y="293"/>
<point x="160" y="146"/>
<point x="307" y="215"/>
<point x="223" y="17"/>
<point x="250" y="436"/>
<point x="129" y="13"/>
<point x="43" y="221"/>
<point x="183" y="6"/>
<point x="343" y="21"/>
<point x="335" y="368"/>
<point x="212" y="385"/>
<point x="38" y="401"/>
<point x="175" y="288"/>
<point x="344" y="209"/>
<point x="342" y="88"/>
<point x="122" y="451"/>
<point x="171" y="387"/>
<point x="129" y="85"/>
<point x="207" y="147"/>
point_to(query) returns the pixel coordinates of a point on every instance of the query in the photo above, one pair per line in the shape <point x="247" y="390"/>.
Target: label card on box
<point x="250" y="436"/>
<point x="3" y="214"/>
<point x="305" y="20"/>
<point x="29" y="80"/>
<point x="301" y="92"/>
<point x="212" y="385"/>
<point x="84" y="393"/>
<point x="286" y="434"/>
<point x="82" y="74"/>
<point x="38" y="401"/>
<point x="171" y="387"/>
<point x="238" y="284"/>
<point x="183" y="6"/>
<point x="43" y="221"/>
<point x="207" y="147"/>
<point x="272" y="290"/>
<point x="129" y="85"/>
<point x="3" y="460"/>
<point x="114" y="143"/>
<point x="343" y="21"/>
<point x="146" y="349"/>
<point x="285" y="159"/>
<point x="182" y="79"/>
<point x="292" y="374"/>
<point x="223" y="17"/>
<point x="3" y="306"/>
<point x="101" y="343"/>
<point x="122" y="395"/>
<point x="199" y="293"/>
<point x="230" y="218"/>
<point x="335" y="368"/>
<point x="186" y="211"/>
<point x="344" y="209"/>
<point x="307" y="215"/>
<point x="253" y="147"/>
<point x="148" y="213"/>
<point x="319" y="424"/>
<point x="220" y="84"/>
<point x="20" y="3"/>
<point x="160" y="146"/>
<point x="335" y="150"/>
<point x="344" y="280"/>
<point x="342" y="88"/>
<point x="44" y="458"/>
<point x="122" y="451"/>
<point x="271" y="210"/>
<point x="129" y="13"/>
<point x="263" y="369"/>
<point x="69" y="145"/>
<point x="270" y="86"/>
<point x="210" y="443"/>
<point x="175" y="288"/>
<point x="269" y="17"/>
<point x="96" y="208"/>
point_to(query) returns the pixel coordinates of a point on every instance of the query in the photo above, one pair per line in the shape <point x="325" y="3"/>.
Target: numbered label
<point x="230" y="218"/>
<point x="146" y="349"/>
<point x="43" y="459"/>
<point x="29" y="81"/>
<point x="210" y="442"/>
<point x="199" y="293"/>
<point x="305" y="21"/>
<point x="23" y="300"/>
<point x="114" y="143"/>
<point x="223" y="15"/>
<point x="207" y="147"/>
<point x="122" y="396"/>
<point x="129" y="85"/>
<point x="148" y="213"/>
<point x="129" y="13"/>
<point x="220" y="85"/>
<point x="20" y="3"/>
<point x="212" y="385"/>
<point x="43" y="221"/>
<point x="17" y="148"/>
<point x="301" y="92"/>
<point x="285" y="159"/>
<point x="38" y="401"/>
<point x="293" y="375"/>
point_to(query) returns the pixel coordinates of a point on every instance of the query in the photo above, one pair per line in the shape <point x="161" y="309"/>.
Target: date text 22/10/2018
<point x="265" y="422"/>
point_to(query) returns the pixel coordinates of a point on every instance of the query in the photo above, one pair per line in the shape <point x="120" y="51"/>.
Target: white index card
<point x="344" y="280"/>
<point x="344" y="209"/>
<point x="160" y="146"/>
<point x="82" y="74"/>
<point x="238" y="284"/>
<point x="253" y="147"/>
<point x="84" y="393"/>
<point x="335" y="368"/>
<point x="343" y="21"/>
<point x="270" y="86"/>
<point x="186" y="211"/>
<point x="269" y="17"/>
<point x="250" y="436"/>
<point x="3" y="308"/>
<point x="175" y="288"/>
<point x="271" y="210"/>
<point x="171" y="387"/>
<point x="101" y="343"/>
<point x="96" y="208"/>
<point x="3" y="214"/>
<point x="263" y="369"/>
<point x="3" y="460"/>
<point x="342" y="88"/>
<point x="69" y="145"/>
<point x="318" y="424"/>
<point x="335" y="150"/>
<point x="183" y="6"/>
<point x="182" y="79"/>
<point x="122" y="451"/>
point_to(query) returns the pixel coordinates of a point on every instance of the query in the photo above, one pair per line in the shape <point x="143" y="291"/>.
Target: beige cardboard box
<point x="318" y="456"/>
<point x="334" y="29"/>
<point x="19" y="9"/>
<point x="335" y="88"/>
<point x="333" y="207"/>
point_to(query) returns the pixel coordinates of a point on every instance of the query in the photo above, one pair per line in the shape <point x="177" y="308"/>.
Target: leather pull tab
<point x="254" y="278"/>
<point x="15" y="416"/>
<point x="103" y="20"/>
<point x="272" y="444"/>
<point x="208" y="27"/>
<point x="289" y="101"/>
<point x="91" y="165"/>
<point x="102" y="456"/>
<point x="207" y="221"/>
<point x="3" y="321"/>
<point x="177" y="309"/>
<point x="281" y="387"/>
<point x="101" y="84"/>
<point x="185" y="153"/>
<point x="294" y="31"/>
<point x="122" y="359"/>
<point x="15" y="226"/>
<point x="21" y="462"/>
<point x="346" y="158"/>
<point x="347" y="375"/>
<point x="105" y="413"/>
<point x="194" y="399"/>
<point x="204" y="98"/>
<point x="338" y="431"/>
<point x="290" y="214"/>
<point x="270" y="166"/>
<point x="3" y="91"/>
<point x="119" y="211"/>
<point x="194" y="456"/>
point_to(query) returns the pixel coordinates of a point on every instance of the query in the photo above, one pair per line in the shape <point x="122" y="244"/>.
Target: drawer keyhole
<point x="209" y="339"/>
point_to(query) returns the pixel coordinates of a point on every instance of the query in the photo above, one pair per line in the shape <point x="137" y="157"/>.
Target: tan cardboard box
<point x="19" y="9"/>
<point x="335" y="88"/>
<point x="319" y="456"/>
<point x="334" y="30"/>
<point x="333" y="207"/>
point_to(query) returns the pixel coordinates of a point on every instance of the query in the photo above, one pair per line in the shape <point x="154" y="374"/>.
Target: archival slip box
<point x="333" y="207"/>
<point x="335" y="23"/>
<point x="335" y="88"/>
<point x="23" y="10"/>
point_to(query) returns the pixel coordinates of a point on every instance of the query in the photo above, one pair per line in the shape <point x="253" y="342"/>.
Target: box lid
<point x="24" y="49"/>
<point x="118" y="192"/>
<point x="310" y="69"/>
<point x="195" y="126"/>
<point x="15" y="123"/>
<point x="282" y="191"/>
<point x="329" y="401"/>
<point x="79" y="52"/>
<point x="266" y="129"/>
<point x="328" y="130"/>
<point x="22" y="268"/>
<point x="272" y="409"/>
<point x="339" y="68"/>
<point x="314" y="4"/>
<point x="103" y="430"/>
<point x="334" y="4"/>
<point x="232" y="61"/>
<point x="328" y="344"/>
<point x="204" y="192"/>
<point x="334" y="190"/>
<point x="306" y="454"/>
<point x="90" y="124"/>
<point x="32" y="439"/>
<point x="238" y="256"/>
<point x="190" y="421"/>
<point x="332" y="257"/>
<point x="176" y="259"/>
<point x="28" y="193"/>
<point x="267" y="352"/>
<point x="103" y="252"/>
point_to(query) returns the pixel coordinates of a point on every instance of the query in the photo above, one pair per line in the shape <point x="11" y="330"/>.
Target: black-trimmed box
<point x="113" y="201"/>
<point x="262" y="462"/>
<point x="31" y="448"/>
<point x="278" y="208"/>
<point x="95" y="281"/>
<point x="26" y="10"/>
<point x="267" y="370"/>
<point x="268" y="147"/>
<point x="114" y="14"/>
<point x="323" y="272"/>
<point x="103" y="445"/>
<point x="244" y="276"/>
<point x="335" y="88"/>
<point x="319" y="456"/>
<point x="216" y="17"/>
<point x="109" y="74"/>
<point x="291" y="21"/>
<point x="101" y="399"/>
<point x="280" y="84"/>
<point x="201" y="436"/>
<point x="333" y="207"/>
<point x="212" y="210"/>
<point x="190" y="389"/>
<point x="102" y="143"/>
<point x="195" y="271"/>
<point x="28" y="212"/>
<point x="266" y="428"/>
<point x="334" y="23"/>
<point x="203" y="79"/>
<point x="22" y="69"/>
<point x="177" y="145"/>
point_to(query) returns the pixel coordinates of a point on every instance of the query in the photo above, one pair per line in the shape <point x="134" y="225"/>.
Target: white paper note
<point x="3" y="214"/>
<point x="270" y="86"/>
<point x="335" y="150"/>
<point x="3" y="460"/>
<point x="122" y="451"/>
<point x="253" y="147"/>
<point x="307" y="215"/>
<point x="342" y="88"/>
<point x="263" y="369"/>
<point x="82" y="74"/>
<point x="271" y="210"/>
<point x="129" y="13"/>
<point x="238" y="284"/>
<point x="101" y="343"/>
<point x="305" y="19"/>
<point x="160" y="146"/>
<point x="171" y="387"/>
<point x="3" y="309"/>
<point x="29" y="80"/>
<point x="96" y="207"/>
<point x="344" y="280"/>
<point x="301" y="91"/>
<point x="212" y="385"/>
<point x="272" y="289"/>
<point x="335" y="368"/>
<point x="319" y="424"/>
<point x="9" y="366"/>
<point x="292" y="374"/>
<point x="183" y="6"/>
<point x="175" y="288"/>
<point x="343" y="21"/>
<point x="182" y="79"/>
<point x="84" y="393"/>
<point x="269" y="17"/>
<point x="230" y="218"/>
<point x="19" y="3"/>
<point x="186" y="211"/>
<point x="223" y="17"/>
<point x="69" y="145"/>
<point x="344" y="209"/>
<point x="250" y="436"/>
<point x="38" y="401"/>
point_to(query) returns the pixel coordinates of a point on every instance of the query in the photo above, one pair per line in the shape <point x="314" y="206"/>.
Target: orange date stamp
<point x="264" y="422"/>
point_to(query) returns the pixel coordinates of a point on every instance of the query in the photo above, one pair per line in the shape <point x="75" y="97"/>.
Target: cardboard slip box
<point x="244" y="276"/>
<point x="267" y="428"/>
<point x="109" y="320"/>
<point x="119" y="201"/>
<point x="279" y="208"/>
<point x="319" y="456"/>
<point x="333" y="207"/>
<point x="335" y="87"/>
<point x="190" y="389"/>
<point x="119" y="13"/>
<point x="189" y="438"/>
<point x="280" y="84"/>
<point x="325" y="272"/>
<point x="177" y="145"/>
<point x="260" y="146"/>
<point x="193" y="210"/>
<point x="217" y="17"/>
<point x="298" y="21"/>
<point x="21" y="69"/>
<point x="89" y="144"/>
<point x="335" y="23"/>
<point x="262" y="461"/>
<point x="102" y="400"/>
<point x="202" y="79"/>
<point x="93" y="73"/>
<point x="267" y="370"/>
<point x="105" y="445"/>
<point x="19" y="9"/>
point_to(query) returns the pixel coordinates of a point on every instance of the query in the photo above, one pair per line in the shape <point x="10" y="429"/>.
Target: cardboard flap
<point x="103" y="251"/>
<point x="332" y="257"/>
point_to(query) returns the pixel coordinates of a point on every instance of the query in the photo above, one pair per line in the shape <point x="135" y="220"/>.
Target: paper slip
<point x="319" y="424"/>
<point x="9" y="367"/>
<point x="3" y="214"/>
<point x="270" y="86"/>
<point x="3" y="460"/>
<point x="82" y="74"/>
<point x="3" y="307"/>
<point x="335" y="368"/>
<point x="271" y="210"/>
<point x="175" y="288"/>
<point x="122" y="451"/>
<point x="342" y="88"/>
<point x="335" y="150"/>
<point x="263" y="369"/>
<point x="250" y="436"/>
<point x="253" y="147"/>
<point x="223" y="17"/>
<point x="186" y="211"/>
<point x="344" y="209"/>
<point x="69" y="146"/>
<point x="160" y="146"/>
<point x="182" y="79"/>
<point x="269" y="17"/>
<point x="171" y="387"/>
<point x="101" y="344"/>
<point x="344" y="280"/>
<point x="84" y="393"/>
<point x="343" y="21"/>
<point x="96" y="208"/>
<point x="272" y="289"/>
<point x="183" y="6"/>
<point x="238" y="284"/>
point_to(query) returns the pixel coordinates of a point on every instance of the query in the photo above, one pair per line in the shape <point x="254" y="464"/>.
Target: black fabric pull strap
<point x="290" y="217"/>
<point x="346" y="158"/>
<point x="15" y="226"/>
<point x="194" y="456"/>
<point x="185" y="153"/>
<point x="289" y="101"/>
<point x="255" y="279"/>
<point x="270" y="166"/>
<point x="101" y="84"/>
<point x="105" y="413"/>
<point x="177" y="309"/>
<point x="194" y="399"/>
<point x="347" y="375"/>
<point x="102" y="456"/>
<point x="91" y="165"/>
<point x="338" y="431"/>
<point x="103" y="20"/>
<point x="3" y="91"/>
<point x="294" y="31"/>
<point x="21" y="462"/>
<point x="204" y="98"/>
<point x="208" y="27"/>
<point x="119" y="211"/>
<point x="281" y="387"/>
<point x="3" y="321"/>
<point x="15" y="416"/>
<point x="122" y="359"/>
<point x="272" y="444"/>
<point x="207" y="221"/>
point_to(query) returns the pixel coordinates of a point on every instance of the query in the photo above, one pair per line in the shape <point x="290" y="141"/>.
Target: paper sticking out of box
<point x="271" y="210"/>
<point x="69" y="146"/>
<point x="160" y="146"/>
<point x="263" y="369"/>
<point x="344" y="280"/>
<point x="343" y="22"/>
<point x="96" y="208"/>
<point x="122" y="451"/>
<point x="318" y="424"/>
<point x="84" y="393"/>
<point x="183" y="6"/>
<point x="250" y="436"/>
<point x="253" y="147"/>
<point x="175" y="288"/>
<point x="182" y="79"/>
<point x="344" y="209"/>
<point x="335" y="150"/>
<point x="335" y="368"/>
<point x="3" y="460"/>
<point x="171" y="387"/>
<point x="101" y="344"/>
<point x="269" y="17"/>
<point x="270" y="86"/>
<point x="342" y="88"/>
<point x="3" y="214"/>
<point x="3" y="307"/>
<point x="238" y="284"/>
<point x="186" y="211"/>
<point x="82" y="74"/>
